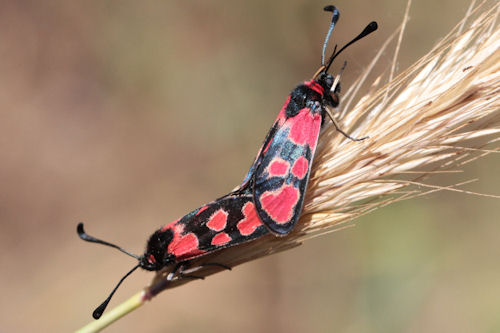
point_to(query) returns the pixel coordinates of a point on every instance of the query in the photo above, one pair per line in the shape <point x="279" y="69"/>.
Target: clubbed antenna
<point x="86" y="237"/>
<point x="335" y="18"/>
<point x="371" y="27"/>
<point x="100" y="309"/>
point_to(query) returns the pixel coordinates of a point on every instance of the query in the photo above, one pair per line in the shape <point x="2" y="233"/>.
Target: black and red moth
<point x="271" y="196"/>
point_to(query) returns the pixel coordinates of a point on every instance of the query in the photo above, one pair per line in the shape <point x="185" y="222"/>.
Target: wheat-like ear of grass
<point x="438" y="114"/>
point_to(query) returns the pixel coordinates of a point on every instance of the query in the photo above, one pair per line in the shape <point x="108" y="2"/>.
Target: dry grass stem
<point x="430" y="119"/>
<point x="434" y="117"/>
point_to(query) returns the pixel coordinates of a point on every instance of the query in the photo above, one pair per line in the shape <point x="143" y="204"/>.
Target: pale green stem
<point x="113" y="315"/>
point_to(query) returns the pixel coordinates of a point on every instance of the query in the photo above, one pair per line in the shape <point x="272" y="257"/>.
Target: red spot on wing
<point x="221" y="239"/>
<point x="300" y="167"/>
<point x="279" y="204"/>
<point x="251" y="221"/>
<point x="184" y="247"/>
<point x="218" y="220"/>
<point x="305" y="128"/>
<point x="278" y="167"/>
<point x="202" y="209"/>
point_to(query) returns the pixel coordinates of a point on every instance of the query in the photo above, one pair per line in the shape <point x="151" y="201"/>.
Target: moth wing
<point x="281" y="177"/>
<point x="225" y="222"/>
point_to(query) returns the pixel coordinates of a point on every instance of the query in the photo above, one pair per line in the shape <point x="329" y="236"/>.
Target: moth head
<point x="156" y="255"/>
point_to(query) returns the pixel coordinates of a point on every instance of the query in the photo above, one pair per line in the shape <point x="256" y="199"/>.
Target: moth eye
<point x="329" y="81"/>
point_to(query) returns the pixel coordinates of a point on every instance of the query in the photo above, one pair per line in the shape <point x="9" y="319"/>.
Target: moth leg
<point x="216" y="265"/>
<point x="337" y="127"/>
<point x="179" y="271"/>
<point x="189" y="276"/>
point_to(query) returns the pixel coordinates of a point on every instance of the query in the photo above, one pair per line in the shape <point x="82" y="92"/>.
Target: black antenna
<point x="335" y="18"/>
<point x="100" y="309"/>
<point x="86" y="237"/>
<point x="371" y="27"/>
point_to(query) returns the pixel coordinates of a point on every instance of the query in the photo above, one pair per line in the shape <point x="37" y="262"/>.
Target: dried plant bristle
<point x="430" y="118"/>
<point x="442" y="112"/>
<point x="434" y="116"/>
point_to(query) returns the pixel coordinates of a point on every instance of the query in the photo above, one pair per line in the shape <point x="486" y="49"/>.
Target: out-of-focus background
<point x="127" y="115"/>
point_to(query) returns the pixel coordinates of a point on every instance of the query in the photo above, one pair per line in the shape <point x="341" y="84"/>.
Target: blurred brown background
<point x="127" y="115"/>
